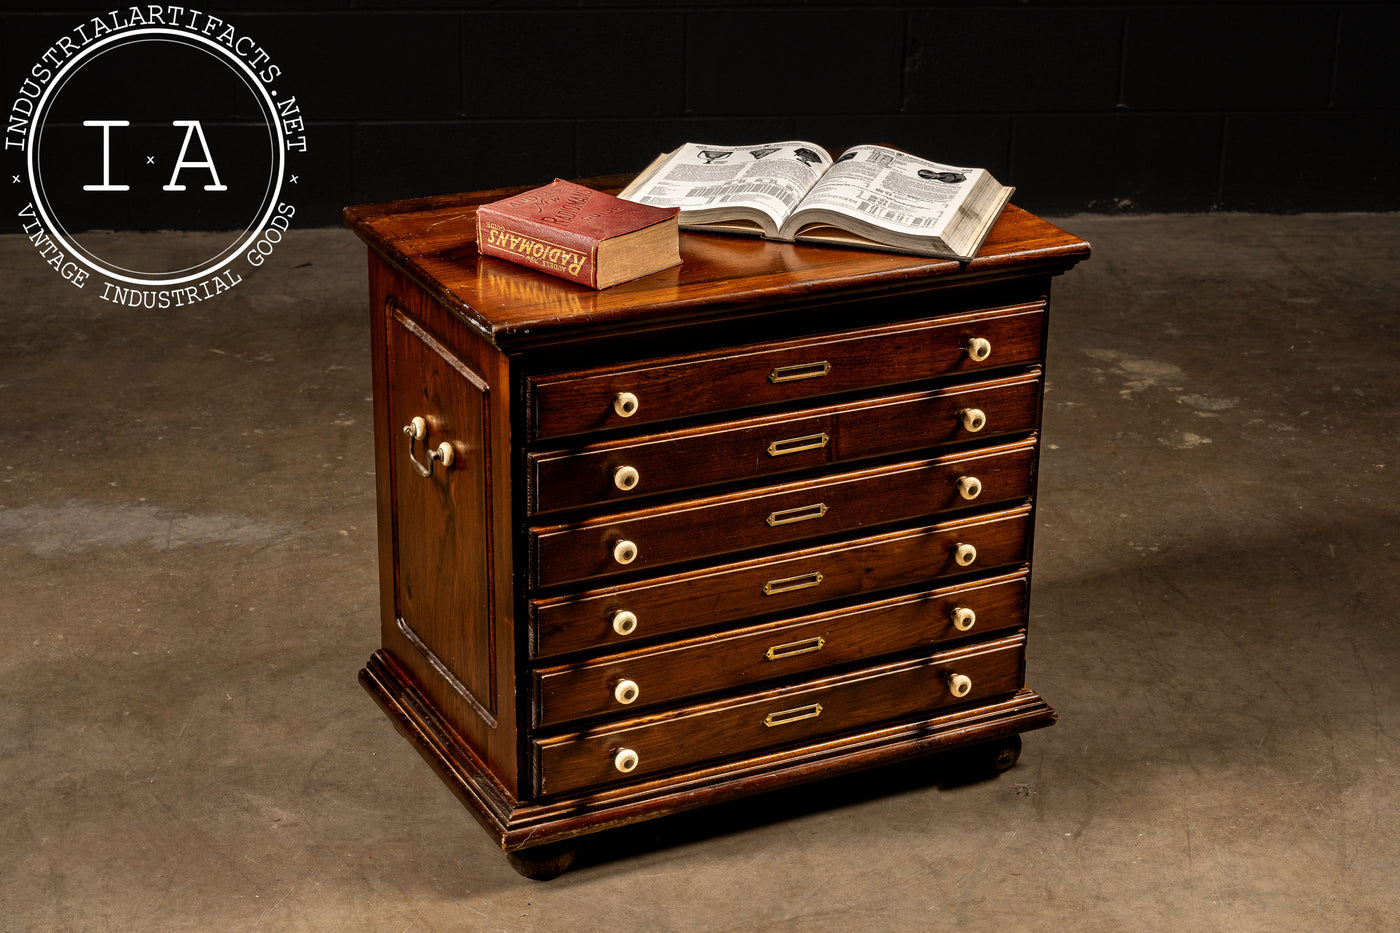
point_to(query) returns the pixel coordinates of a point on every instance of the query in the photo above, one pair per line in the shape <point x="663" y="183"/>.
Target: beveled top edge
<point x="432" y="239"/>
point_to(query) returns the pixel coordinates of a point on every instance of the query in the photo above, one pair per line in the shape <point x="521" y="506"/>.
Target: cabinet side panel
<point x="444" y="601"/>
<point x="380" y="286"/>
<point x="445" y="526"/>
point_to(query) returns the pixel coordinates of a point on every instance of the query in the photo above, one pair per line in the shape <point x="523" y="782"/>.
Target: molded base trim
<point x="521" y="825"/>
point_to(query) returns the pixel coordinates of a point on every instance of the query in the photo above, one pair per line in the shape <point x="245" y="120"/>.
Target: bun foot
<point x="543" y="863"/>
<point x="1005" y="753"/>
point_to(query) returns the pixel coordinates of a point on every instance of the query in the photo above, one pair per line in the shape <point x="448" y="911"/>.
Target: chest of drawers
<point x="758" y="520"/>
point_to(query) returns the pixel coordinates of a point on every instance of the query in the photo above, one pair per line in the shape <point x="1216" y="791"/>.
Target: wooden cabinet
<point x="760" y="519"/>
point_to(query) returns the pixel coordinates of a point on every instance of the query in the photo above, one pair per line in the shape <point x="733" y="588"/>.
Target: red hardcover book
<point x="579" y="234"/>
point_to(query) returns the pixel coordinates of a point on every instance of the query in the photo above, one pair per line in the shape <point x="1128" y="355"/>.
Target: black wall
<point x="1112" y="106"/>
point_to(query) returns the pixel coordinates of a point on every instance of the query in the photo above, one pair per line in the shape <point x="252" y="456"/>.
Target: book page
<point x="893" y="189"/>
<point x="771" y="178"/>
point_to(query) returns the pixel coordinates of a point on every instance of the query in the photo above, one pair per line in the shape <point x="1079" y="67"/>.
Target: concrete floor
<point x="188" y="591"/>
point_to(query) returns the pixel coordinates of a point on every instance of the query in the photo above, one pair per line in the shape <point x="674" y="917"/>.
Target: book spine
<point x="537" y="246"/>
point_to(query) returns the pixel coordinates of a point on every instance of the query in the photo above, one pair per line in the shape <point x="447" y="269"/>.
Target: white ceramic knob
<point x="626" y="478"/>
<point x="624" y="552"/>
<point x="974" y="419"/>
<point x="969" y="487"/>
<point x="626" y="404"/>
<point x="624" y="622"/>
<point x="964" y="619"/>
<point x="959" y="685"/>
<point x="965" y="554"/>
<point x="626" y="692"/>
<point x="626" y="760"/>
<point x="979" y="348"/>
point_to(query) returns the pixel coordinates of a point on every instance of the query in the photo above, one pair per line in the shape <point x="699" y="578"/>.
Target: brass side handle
<point x="959" y="685"/>
<point x="444" y="453"/>
<point x="963" y="619"/>
<point x="969" y="487"/>
<point x="626" y="478"/>
<point x="626" y="760"/>
<point x="624" y="552"/>
<point x="979" y="348"/>
<point x="973" y="419"/>
<point x="626" y="692"/>
<point x="626" y="404"/>
<point x="965" y="554"/>
<point x="813" y="370"/>
<point x="624" y="622"/>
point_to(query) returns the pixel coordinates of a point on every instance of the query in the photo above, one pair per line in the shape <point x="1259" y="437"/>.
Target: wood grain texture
<point x="692" y="667"/>
<point x="805" y="485"/>
<point x="521" y="823"/>
<point x="448" y="537"/>
<point x="445" y="603"/>
<point x="775" y="516"/>
<point x="434" y="242"/>
<point x="783" y="716"/>
<point x="783" y="371"/>
<point x="753" y="449"/>
<point x="767" y="586"/>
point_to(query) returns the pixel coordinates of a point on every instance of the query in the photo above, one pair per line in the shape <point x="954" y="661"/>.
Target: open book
<point x="869" y="196"/>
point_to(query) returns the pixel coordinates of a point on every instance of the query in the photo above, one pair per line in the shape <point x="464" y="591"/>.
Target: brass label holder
<point x="789" y="584"/>
<point x="793" y="715"/>
<point x="803" y="513"/>
<point x="793" y="649"/>
<point x="797" y="371"/>
<point x="796" y="445"/>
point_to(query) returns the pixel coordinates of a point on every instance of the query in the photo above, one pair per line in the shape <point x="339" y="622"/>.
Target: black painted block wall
<point x="1097" y="106"/>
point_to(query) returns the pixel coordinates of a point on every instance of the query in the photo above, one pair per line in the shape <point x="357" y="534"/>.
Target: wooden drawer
<point x="684" y="386"/>
<point x="625" y="684"/>
<point x="760" y="447"/>
<point x="702" y="529"/>
<point x="788" y="716"/>
<point x="773" y="586"/>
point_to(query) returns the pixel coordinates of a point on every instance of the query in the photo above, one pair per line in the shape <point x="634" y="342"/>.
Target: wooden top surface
<point x="433" y="240"/>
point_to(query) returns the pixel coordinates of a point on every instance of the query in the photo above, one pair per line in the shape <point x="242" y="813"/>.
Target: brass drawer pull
<point x="969" y="487"/>
<point x="799" y="371"/>
<point x="793" y="715"/>
<point x="788" y="584"/>
<point x="624" y="622"/>
<point x="796" y="445"/>
<point x="626" y="760"/>
<point x="624" y="552"/>
<point x="979" y="349"/>
<point x="626" y="478"/>
<point x="964" y="619"/>
<point x="803" y="513"/>
<point x="626" y="404"/>
<point x="626" y="691"/>
<point x="793" y="649"/>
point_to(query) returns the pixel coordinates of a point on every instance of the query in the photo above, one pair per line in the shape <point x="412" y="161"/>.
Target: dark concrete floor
<point x="188" y="590"/>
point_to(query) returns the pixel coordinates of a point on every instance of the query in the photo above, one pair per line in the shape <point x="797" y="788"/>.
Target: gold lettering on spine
<point x="541" y="251"/>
